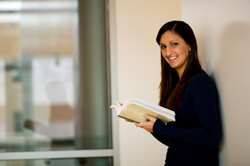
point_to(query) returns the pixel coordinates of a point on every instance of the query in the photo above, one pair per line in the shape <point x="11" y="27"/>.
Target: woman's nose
<point x="168" y="51"/>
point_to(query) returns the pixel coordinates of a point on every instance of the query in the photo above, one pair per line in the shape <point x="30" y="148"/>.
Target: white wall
<point x="138" y="71"/>
<point x="223" y="32"/>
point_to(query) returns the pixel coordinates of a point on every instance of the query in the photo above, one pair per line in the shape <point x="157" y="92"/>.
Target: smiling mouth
<point x="172" y="58"/>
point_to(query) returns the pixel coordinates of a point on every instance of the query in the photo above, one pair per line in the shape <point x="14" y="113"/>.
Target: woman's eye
<point x="174" y="44"/>
<point x="163" y="47"/>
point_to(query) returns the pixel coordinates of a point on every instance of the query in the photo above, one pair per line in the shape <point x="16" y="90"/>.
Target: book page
<point x="133" y="112"/>
<point x="155" y="107"/>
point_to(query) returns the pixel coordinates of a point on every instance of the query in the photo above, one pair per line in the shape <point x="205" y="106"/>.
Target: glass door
<point x="54" y="83"/>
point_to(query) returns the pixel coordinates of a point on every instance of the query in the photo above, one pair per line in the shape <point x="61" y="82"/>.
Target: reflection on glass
<point x="53" y="102"/>
<point x="38" y="78"/>
<point x="60" y="162"/>
<point x="36" y="81"/>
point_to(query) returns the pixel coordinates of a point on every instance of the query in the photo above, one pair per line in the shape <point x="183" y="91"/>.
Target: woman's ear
<point x="189" y="51"/>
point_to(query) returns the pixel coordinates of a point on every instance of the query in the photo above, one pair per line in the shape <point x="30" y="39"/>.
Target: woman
<point x="193" y="139"/>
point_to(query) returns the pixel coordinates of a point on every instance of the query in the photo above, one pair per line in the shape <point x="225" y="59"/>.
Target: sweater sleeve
<point x="163" y="138"/>
<point x="205" y="104"/>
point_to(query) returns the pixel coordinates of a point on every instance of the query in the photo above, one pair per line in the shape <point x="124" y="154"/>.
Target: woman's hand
<point x="148" y="126"/>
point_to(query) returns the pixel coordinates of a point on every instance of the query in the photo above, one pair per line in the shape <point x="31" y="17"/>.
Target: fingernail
<point x="142" y="114"/>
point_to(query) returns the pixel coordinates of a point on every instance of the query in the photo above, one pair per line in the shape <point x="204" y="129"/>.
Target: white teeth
<point x="172" y="58"/>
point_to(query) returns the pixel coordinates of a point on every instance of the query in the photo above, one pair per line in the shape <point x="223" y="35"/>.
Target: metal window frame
<point x="56" y="154"/>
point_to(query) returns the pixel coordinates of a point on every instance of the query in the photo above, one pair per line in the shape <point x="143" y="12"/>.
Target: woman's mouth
<point x="172" y="58"/>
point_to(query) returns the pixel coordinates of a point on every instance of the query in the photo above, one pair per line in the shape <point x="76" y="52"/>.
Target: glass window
<point x="54" y="76"/>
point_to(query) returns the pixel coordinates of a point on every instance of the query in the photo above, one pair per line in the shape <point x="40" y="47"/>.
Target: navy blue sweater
<point x="193" y="139"/>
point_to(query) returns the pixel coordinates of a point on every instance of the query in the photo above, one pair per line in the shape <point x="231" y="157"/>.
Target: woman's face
<point x="175" y="51"/>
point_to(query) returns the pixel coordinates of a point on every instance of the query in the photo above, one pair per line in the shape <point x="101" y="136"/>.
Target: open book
<point x="133" y="108"/>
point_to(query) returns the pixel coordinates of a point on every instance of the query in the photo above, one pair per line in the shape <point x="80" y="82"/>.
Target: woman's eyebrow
<point x="175" y="40"/>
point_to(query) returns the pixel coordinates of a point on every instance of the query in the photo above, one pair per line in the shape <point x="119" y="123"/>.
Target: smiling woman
<point x="175" y="51"/>
<point x="193" y="139"/>
<point x="170" y="91"/>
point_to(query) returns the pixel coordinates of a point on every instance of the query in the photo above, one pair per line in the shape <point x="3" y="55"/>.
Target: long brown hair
<point x="171" y="88"/>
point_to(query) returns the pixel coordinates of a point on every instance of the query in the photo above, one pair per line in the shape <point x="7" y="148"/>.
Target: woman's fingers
<point x="150" y="118"/>
<point x="148" y="126"/>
